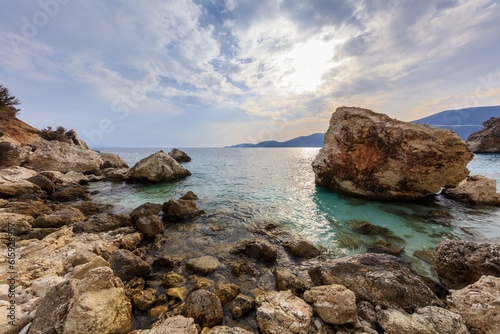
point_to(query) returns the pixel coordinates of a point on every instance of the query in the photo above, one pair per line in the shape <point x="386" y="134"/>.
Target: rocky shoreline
<point x="81" y="268"/>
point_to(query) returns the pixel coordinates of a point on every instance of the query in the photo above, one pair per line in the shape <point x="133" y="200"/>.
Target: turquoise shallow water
<point x="240" y="187"/>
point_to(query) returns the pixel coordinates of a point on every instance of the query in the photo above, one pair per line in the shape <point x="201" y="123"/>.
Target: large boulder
<point x="126" y="265"/>
<point x="227" y="292"/>
<point x="381" y="279"/>
<point x="475" y="190"/>
<point x="106" y="222"/>
<point x="73" y="139"/>
<point x="487" y="140"/>
<point x="14" y="183"/>
<point x="111" y="160"/>
<point x="204" y="307"/>
<point x="372" y="155"/>
<point x="99" y="305"/>
<point x="180" y="209"/>
<point x="479" y="305"/>
<point x="284" y="313"/>
<point x="149" y="226"/>
<point x="158" y="167"/>
<point x="59" y="218"/>
<point x="335" y="304"/>
<point x="43" y="182"/>
<point x="301" y="248"/>
<point x="460" y="263"/>
<point x="258" y="249"/>
<point x="146" y="209"/>
<point x="63" y="157"/>
<point x="179" y="156"/>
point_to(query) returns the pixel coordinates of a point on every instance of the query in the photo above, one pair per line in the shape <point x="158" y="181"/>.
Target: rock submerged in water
<point x="475" y="190"/>
<point x="179" y="156"/>
<point x="158" y="167"/>
<point x="372" y="155"/>
<point x="486" y="140"/>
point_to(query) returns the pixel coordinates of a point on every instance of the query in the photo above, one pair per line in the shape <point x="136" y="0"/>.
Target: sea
<point x="240" y="188"/>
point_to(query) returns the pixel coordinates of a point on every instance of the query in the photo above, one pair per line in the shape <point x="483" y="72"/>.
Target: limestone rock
<point x="69" y="193"/>
<point x="286" y="280"/>
<point x="11" y="154"/>
<point x="111" y="160"/>
<point x="63" y="157"/>
<point x="398" y="322"/>
<point x="381" y="279"/>
<point x="227" y="292"/>
<point x="173" y="325"/>
<point x="30" y="208"/>
<point x="89" y="208"/>
<point x="259" y="249"/>
<point x="228" y="330"/>
<point x="146" y="209"/>
<point x="371" y="155"/>
<point x="204" y="307"/>
<point x="179" y="156"/>
<point x="158" y="167"/>
<point x="475" y="190"/>
<point x="73" y="178"/>
<point x="479" y="305"/>
<point x="80" y="271"/>
<point x="301" y="249"/>
<point x="16" y="223"/>
<point x="59" y="218"/>
<point x="284" y="313"/>
<point x="43" y="182"/>
<point x="179" y="209"/>
<point x="487" y="140"/>
<point x="149" y="225"/>
<point x="41" y="286"/>
<point x="99" y="305"/>
<point x="460" y="263"/>
<point x="366" y="312"/>
<point x="335" y="304"/>
<point x="126" y="265"/>
<point x="74" y="140"/>
<point x="106" y="222"/>
<point x="204" y="265"/>
<point x="242" y="305"/>
<point x="443" y="321"/>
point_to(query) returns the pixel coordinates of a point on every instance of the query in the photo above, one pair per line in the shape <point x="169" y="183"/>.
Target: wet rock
<point x="172" y="279"/>
<point x="378" y="278"/>
<point x="204" y="307"/>
<point x="479" y="305"/>
<point x="179" y="156"/>
<point x="366" y="311"/>
<point x="366" y="228"/>
<point x="228" y="330"/>
<point x="179" y="293"/>
<point x="156" y="311"/>
<point x="426" y="256"/>
<point x="106" y="222"/>
<point x="189" y="196"/>
<point x="59" y="218"/>
<point x="99" y="305"/>
<point x="69" y="193"/>
<point x="285" y="280"/>
<point x="487" y="140"/>
<point x="369" y="154"/>
<point x="11" y="154"/>
<point x="43" y="182"/>
<point x="167" y="261"/>
<point x="30" y="208"/>
<point x="134" y="286"/>
<point x="53" y="308"/>
<point x="149" y="226"/>
<point x="301" y="249"/>
<point x="202" y="283"/>
<point x="242" y="305"/>
<point x="284" y="313"/>
<point x="382" y="246"/>
<point x="89" y="208"/>
<point x="460" y="263"/>
<point x="335" y="304"/>
<point x="158" y="167"/>
<point x="146" y="209"/>
<point x="204" y="265"/>
<point x="242" y="268"/>
<point x="126" y="265"/>
<point x="258" y="249"/>
<point x="397" y="322"/>
<point x="16" y="223"/>
<point x="110" y="160"/>
<point x="443" y="321"/>
<point x="144" y="300"/>
<point x="130" y="241"/>
<point x="173" y="325"/>
<point x="227" y="292"/>
<point x="180" y="209"/>
<point x="475" y="190"/>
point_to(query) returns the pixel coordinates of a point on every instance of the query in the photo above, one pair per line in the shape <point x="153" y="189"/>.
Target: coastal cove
<point x="240" y="188"/>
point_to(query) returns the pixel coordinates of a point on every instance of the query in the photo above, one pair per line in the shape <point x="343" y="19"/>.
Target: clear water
<point x="241" y="187"/>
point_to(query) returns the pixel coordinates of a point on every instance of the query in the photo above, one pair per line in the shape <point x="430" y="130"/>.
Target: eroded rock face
<point x="335" y="303"/>
<point x="158" y="167"/>
<point x="286" y="280"/>
<point x="284" y="313"/>
<point x="381" y="279"/>
<point x="443" y="320"/>
<point x="486" y="140"/>
<point x="179" y="156"/>
<point x="11" y="154"/>
<point x="460" y="263"/>
<point x="63" y="157"/>
<point x="397" y="322"/>
<point x="111" y="160"/>
<point x="372" y="155"/>
<point x="475" y="190"/>
<point x="15" y="223"/>
<point x="204" y="307"/>
<point x="479" y="305"/>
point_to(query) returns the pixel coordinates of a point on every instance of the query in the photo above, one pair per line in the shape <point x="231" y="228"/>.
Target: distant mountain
<point x="463" y="121"/>
<point x="314" y="140"/>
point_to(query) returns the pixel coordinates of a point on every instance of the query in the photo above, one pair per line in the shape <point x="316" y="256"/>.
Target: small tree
<point x="7" y="100"/>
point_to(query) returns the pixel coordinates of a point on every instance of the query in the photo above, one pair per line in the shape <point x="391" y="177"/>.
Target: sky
<point x="204" y="73"/>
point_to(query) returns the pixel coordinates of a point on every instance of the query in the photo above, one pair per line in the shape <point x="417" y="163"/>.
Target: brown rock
<point x="146" y="209"/>
<point x="227" y="330"/>
<point x="172" y="279"/>
<point x="156" y="311"/>
<point x="149" y="225"/>
<point x="285" y="280"/>
<point x="130" y="241"/>
<point x="335" y="304"/>
<point x="242" y="305"/>
<point x="126" y="265"/>
<point x="69" y="193"/>
<point x="204" y="265"/>
<point x="168" y="261"/>
<point x="11" y="154"/>
<point x="475" y="190"/>
<point x="158" y="167"/>
<point x="18" y="188"/>
<point x="135" y="285"/>
<point x="172" y="325"/>
<point x="204" y="307"/>
<point x="144" y="300"/>
<point x="180" y="209"/>
<point x="371" y="155"/>
<point x="460" y="263"/>
<point x="59" y="218"/>
<point x="189" y="195"/>
<point x="179" y="293"/>
<point x="74" y="140"/>
<point x="106" y="222"/>
<point x="15" y="223"/>
<point x="487" y="140"/>
<point x="258" y="249"/>
<point x="31" y="208"/>
<point x="89" y="208"/>
<point x="110" y="160"/>
<point x="301" y="249"/>
<point x="381" y="279"/>
<point x="227" y="292"/>
<point x="179" y="156"/>
<point x="44" y="183"/>
<point x="241" y="268"/>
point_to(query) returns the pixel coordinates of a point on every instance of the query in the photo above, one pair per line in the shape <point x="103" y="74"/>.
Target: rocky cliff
<point x="486" y="140"/>
<point x="372" y="155"/>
